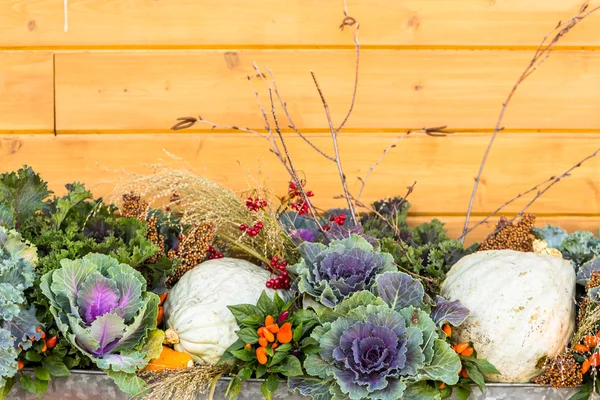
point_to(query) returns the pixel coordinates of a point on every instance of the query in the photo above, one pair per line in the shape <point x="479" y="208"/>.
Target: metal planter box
<point x="92" y="385"/>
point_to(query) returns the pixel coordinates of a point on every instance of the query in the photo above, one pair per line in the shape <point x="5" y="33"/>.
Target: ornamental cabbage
<point x="18" y="322"/>
<point x="103" y="309"/>
<point x="371" y="349"/>
<point x="332" y="273"/>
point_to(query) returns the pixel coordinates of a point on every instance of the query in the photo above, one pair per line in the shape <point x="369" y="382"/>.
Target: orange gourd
<point x="170" y="359"/>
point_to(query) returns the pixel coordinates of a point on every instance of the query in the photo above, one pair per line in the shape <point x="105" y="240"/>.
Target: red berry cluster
<point x="300" y="205"/>
<point x="340" y="219"/>
<point x="255" y="204"/>
<point x="283" y="280"/>
<point x="252" y="231"/>
<point x="213" y="253"/>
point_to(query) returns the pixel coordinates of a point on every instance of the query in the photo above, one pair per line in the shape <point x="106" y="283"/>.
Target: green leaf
<point x="420" y="391"/>
<point x="446" y="392"/>
<point x="264" y="388"/>
<point x="266" y="305"/>
<point x="279" y="303"/>
<point x="297" y="333"/>
<point x="247" y="314"/>
<point x="272" y="383"/>
<point x="463" y="392"/>
<point x="584" y="393"/>
<point x="290" y="367"/>
<point x="445" y="364"/>
<point x="244" y="354"/>
<point x="153" y="346"/>
<point x="128" y="383"/>
<point x="42" y="373"/>
<point x="278" y="357"/>
<point x="270" y="351"/>
<point x="8" y="384"/>
<point x="37" y="387"/>
<point x="234" y="388"/>
<point x="248" y="335"/>
<point x="55" y="366"/>
<point x="475" y="375"/>
<point x="245" y="373"/>
<point x="486" y="367"/>
<point x="33" y="356"/>
<point x="261" y="370"/>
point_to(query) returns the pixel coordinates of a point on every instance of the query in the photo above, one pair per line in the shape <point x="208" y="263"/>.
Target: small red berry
<point x="243" y="227"/>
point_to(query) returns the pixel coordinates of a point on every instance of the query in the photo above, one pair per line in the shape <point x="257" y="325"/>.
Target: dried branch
<point x="336" y="149"/>
<point x="542" y="53"/>
<point x="436" y="131"/>
<point x="551" y="182"/>
<point x="496" y="211"/>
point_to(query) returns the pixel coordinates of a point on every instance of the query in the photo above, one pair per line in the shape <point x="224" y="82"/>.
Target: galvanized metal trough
<point x="92" y="385"/>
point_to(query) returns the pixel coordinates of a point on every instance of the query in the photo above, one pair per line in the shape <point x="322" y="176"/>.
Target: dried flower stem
<point x="542" y="53"/>
<point x="550" y="182"/>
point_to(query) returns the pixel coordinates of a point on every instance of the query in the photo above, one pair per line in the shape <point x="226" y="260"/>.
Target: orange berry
<point x="459" y="348"/>
<point x="45" y="348"/>
<point x="594" y="359"/>
<point x="268" y="335"/>
<point x="585" y="367"/>
<point x="285" y="334"/>
<point x="261" y="331"/>
<point x="274" y="346"/>
<point x="20" y="365"/>
<point x="159" y="316"/>
<point x="591" y="341"/>
<point x="261" y="355"/>
<point x="163" y="297"/>
<point x="447" y="329"/>
<point x="263" y="342"/>
<point x="269" y="320"/>
<point x="273" y="328"/>
<point x="248" y="346"/>
<point x="581" y="348"/>
<point x="464" y="373"/>
<point x="468" y="352"/>
<point x="443" y="385"/>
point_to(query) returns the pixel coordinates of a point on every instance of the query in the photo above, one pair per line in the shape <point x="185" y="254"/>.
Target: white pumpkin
<point x="196" y="308"/>
<point x="522" y="308"/>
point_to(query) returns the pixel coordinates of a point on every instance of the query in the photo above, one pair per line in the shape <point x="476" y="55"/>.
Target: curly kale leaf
<point x="553" y="235"/>
<point x="580" y="247"/>
<point x="428" y="233"/>
<point x="22" y="193"/>
<point x="61" y="206"/>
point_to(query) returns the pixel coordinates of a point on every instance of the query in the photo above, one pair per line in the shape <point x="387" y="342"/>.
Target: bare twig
<point x="551" y="182"/>
<point x="292" y="170"/>
<point x="336" y="149"/>
<point x="497" y="210"/>
<point x="542" y="53"/>
<point x="436" y="131"/>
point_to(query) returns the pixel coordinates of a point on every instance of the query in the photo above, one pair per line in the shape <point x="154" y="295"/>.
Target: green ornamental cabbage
<point x="329" y="274"/>
<point x="102" y="307"/>
<point x="371" y="349"/>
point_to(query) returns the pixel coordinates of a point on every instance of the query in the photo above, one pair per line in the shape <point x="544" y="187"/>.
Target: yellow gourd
<point x="170" y="359"/>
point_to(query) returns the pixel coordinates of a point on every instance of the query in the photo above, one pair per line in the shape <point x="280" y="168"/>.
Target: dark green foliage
<point x="69" y="227"/>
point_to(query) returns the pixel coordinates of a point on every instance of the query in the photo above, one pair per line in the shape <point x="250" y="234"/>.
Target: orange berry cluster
<point x="272" y="334"/>
<point x="591" y="342"/>
<point x="463" y="349"/>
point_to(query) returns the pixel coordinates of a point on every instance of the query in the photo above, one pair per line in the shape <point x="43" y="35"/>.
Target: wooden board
<point x="26" y="92"/>
<point x="145" y="91"/>
<point x="443" y="168"/>
<point x="272" y="23"/>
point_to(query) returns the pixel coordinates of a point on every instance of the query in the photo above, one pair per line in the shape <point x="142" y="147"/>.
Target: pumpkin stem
<point x="171" y="337"/>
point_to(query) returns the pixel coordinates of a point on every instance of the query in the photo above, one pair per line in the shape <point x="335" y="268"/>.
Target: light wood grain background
<point x="103" y="95"/>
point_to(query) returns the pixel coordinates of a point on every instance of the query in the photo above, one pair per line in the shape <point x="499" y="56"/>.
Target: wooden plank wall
<point x="102" y="96"/>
